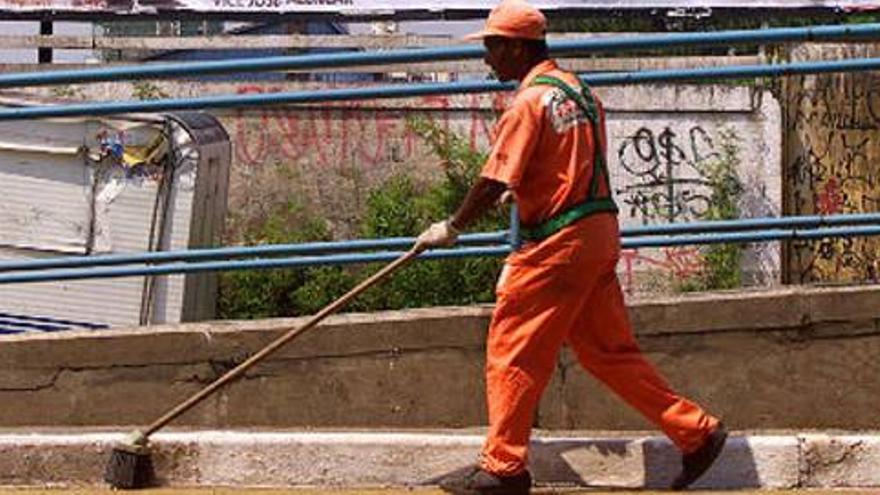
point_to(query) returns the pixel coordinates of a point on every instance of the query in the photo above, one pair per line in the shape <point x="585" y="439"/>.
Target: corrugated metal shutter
<point x="45" y="202"/>
<point x="57" y="203"/>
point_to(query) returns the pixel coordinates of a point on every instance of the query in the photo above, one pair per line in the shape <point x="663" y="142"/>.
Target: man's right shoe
<point x="696" y="463"/>
<point x="479" y="482"/>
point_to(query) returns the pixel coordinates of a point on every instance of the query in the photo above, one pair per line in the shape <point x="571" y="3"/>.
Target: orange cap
<point x="513" y="19"/>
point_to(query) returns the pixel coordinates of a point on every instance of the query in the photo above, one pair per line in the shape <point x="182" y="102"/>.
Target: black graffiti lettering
<point x="702" y="147"/>
<point x="670" y="152"/>
<point x="646" y="160"/>
<point x="870" y="203"/>
<point x="664" y="175"/>
<point x="831" y="128"/>
<point x="855" y="157"/>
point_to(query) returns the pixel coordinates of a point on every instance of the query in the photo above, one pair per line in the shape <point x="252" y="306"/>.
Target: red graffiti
<point x="830" y="199"/>
<point x="680" y="262"/>
<point x="342" y="132"/>
<point x="479" y="125"/>
<point x="441" y="102"/>
<point x="251" y="149"/>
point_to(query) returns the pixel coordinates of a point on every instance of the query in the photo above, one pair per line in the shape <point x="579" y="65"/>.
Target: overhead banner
<point x="355" y="6"/>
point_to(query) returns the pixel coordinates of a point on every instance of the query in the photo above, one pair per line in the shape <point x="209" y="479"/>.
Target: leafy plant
<point x="69" y="92"/>
<point x="401" y="206"/>
<point x="146" y="90"/>
<point x="721" y="262"/>
<point x="264" y="293"/>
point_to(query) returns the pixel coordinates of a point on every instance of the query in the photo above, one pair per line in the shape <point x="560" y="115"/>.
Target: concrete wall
<point x="662" y="139"/>
<point x="794" y="358"/>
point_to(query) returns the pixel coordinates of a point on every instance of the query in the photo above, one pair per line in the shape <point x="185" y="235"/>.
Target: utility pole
<point x="44" y="54"/>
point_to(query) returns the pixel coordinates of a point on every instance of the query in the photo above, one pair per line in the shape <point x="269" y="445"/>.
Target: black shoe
<point x="696" y="463"/>
<point x="478" y="482"/>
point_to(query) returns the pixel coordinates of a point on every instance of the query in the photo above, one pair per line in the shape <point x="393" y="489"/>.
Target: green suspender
<point x="592" y="204"/>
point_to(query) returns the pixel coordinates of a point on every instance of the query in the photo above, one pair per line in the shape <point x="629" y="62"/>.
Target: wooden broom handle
<point x="277" y="343"/>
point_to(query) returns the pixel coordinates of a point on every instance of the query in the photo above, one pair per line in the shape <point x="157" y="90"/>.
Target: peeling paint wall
<point x="831" y="155"/>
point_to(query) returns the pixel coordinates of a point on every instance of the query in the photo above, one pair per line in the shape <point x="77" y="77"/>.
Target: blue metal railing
<point x="511" y="237"/>
<point x="791" y="222"/>
<point x="486" y="244"/>
<point x="412" y="90"/>
<point x="349" y="59"/>
<point x="499" y="244"/>
<point x="308" y="248"/>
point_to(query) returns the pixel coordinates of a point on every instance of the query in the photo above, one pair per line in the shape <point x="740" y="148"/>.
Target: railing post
<point x="44" y="54"/>
<point x="513" y="236"/>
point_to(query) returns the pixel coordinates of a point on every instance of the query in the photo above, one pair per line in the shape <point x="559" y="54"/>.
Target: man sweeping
<point x="561" y="287"/>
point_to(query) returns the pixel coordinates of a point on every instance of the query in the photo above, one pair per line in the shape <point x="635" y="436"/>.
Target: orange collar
<point x="542" y="68"/>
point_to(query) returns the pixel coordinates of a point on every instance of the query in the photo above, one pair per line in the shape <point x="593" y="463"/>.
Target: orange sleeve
<point x="517" y="134"/>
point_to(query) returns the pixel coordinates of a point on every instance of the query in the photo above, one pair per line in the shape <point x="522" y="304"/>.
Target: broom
<point x="130" y="464"/>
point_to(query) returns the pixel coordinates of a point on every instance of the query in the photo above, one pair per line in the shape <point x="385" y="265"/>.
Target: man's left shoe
<point x="480" y="482"/>
<point x="696" y="463"/>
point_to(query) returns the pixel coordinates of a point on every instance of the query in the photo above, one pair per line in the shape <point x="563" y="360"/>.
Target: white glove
<point x="440" y="234"/>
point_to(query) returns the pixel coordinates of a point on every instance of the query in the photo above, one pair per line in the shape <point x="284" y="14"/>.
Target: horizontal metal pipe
<point x="303" y="261"/>
<point x="348" y="258"/>
<point x="353" y="59"/>
<point x="790" y="222"/>
<point x="748" y="237"/>
<point x="733" y="72"/>
<point x="307" y="248"/>
<point x="312" y="248"/>
<point x="252" y="100"/>
<point x="413" y="90"/>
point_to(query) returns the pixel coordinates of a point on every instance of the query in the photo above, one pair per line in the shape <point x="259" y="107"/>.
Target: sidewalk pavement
<point x="412" y="459"/>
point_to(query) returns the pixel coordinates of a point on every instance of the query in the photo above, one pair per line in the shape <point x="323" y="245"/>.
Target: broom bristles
<point x="130" y="466"/>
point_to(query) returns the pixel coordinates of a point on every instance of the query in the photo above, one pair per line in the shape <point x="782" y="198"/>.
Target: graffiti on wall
<point x="659" y="171"/>
<point x="663" y="175"/>
<point x="832" y="131"/>
<point x="342" y="132"/>
<point x="676" y="263"/>
<point x="327" y="158"/>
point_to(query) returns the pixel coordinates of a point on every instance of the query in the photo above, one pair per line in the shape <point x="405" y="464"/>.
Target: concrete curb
<point x="362" y="459"/>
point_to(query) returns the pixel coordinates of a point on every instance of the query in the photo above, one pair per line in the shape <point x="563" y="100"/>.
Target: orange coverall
<point x="564" y="288"/>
